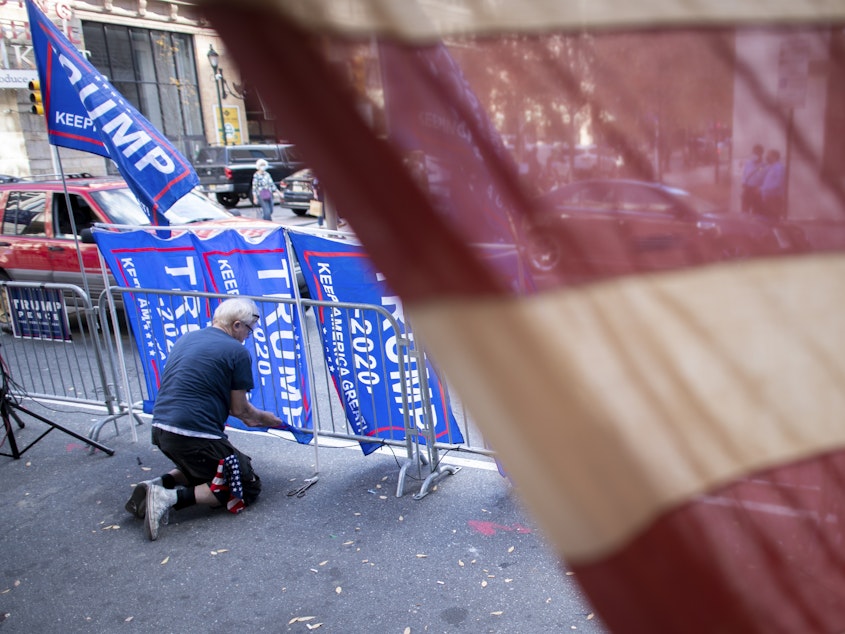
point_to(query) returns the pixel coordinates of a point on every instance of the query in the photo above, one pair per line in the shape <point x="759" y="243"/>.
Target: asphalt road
<point x="281" y="215"/>
<point x="347" y="557"/>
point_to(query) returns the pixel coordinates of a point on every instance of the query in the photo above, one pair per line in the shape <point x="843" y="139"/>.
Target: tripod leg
<point x="10" y="433"/>
<point x="17" y="418"/>
<point x="11" y="407"/>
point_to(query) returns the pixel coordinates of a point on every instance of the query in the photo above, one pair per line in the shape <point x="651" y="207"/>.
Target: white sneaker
<point x="137" y="503"/>
<point x="159" y="501"/>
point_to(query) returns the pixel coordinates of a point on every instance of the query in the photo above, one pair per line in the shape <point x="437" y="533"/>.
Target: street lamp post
<point x="214" y="60"/>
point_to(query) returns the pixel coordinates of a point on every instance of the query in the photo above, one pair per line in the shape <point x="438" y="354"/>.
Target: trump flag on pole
<point x="85" y="112"/>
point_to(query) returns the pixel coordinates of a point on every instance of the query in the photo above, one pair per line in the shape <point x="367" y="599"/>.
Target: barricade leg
<point x="436" y="474"/>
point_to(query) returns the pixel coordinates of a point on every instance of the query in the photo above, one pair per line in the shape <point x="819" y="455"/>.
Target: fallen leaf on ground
<point x="349" y="542"/>
<point x="313" y="627"/>
<point x="146" y="468"/>
<point x="128" y="619"/>
<point x="323" y="563"/>
<point x="590" y="616"/>
<point x="510" y="550"/>
<point x="300" y="619"/>
<point x="421" y="556"/>
<point x="497" y="613"/>
<point x="165" y="560"/>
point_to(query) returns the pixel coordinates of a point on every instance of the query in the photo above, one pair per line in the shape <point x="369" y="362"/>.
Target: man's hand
<point x="264" y="419"/>
<point x="251" y="416"/>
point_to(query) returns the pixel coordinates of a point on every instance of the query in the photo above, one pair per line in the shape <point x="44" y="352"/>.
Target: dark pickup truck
<point x="226" y="171"/>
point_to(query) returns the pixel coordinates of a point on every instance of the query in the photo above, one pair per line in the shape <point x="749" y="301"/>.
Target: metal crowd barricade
<point x="92" y="359"/>
<point x="419" y="445"/>
<point x="51" y="347"/>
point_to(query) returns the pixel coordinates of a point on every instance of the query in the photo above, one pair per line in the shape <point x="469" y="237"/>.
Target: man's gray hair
<point x="236" y="309"/>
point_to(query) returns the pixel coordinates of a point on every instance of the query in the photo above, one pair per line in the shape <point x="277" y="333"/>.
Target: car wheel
<point x="543" y="252"/>
<point x="300" y="212"/>
<point x="228" y="200"/>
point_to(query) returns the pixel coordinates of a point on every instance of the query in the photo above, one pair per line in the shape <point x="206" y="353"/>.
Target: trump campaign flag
<point x="668" y="399"/>
<point x="362" y="350"/>
<point x="223" y="262"/>
<point x="139" y="259"/>
<point x="260" y="267"/>
<point x="84" y="112"/>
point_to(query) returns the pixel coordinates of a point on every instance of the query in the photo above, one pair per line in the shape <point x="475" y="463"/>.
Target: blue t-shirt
<point x="201" y="371"/>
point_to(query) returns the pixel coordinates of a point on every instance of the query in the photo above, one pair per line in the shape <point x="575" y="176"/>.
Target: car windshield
<point x="122" y="208"/>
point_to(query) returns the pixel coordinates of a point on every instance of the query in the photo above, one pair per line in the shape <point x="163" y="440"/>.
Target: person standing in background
<point x="263" y="189"/>
<point x="753" y="173"/>
<point x="773" y="187"/>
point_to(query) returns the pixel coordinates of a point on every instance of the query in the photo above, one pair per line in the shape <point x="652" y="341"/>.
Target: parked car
<point x="601" y="228"/>
<point x="298" y="191"/>
<point x="37" y="238"/>
<point x="226" y="171"/>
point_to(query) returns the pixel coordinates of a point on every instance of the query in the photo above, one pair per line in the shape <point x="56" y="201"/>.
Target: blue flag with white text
<point x="85" y="112"/>
<point x="236" y="265"/>
<point x="225" y="262"/>
<point x="371" y="369"/>
<point x="139" y="259"/>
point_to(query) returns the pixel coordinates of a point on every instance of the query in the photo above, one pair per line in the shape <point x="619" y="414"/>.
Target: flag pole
<point x="72" y="225"/>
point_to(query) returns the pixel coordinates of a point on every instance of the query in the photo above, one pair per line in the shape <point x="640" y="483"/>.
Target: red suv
<point x="37" y="238"/>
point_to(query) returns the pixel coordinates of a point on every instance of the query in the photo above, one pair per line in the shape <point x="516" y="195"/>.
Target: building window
<point x="155" y="72"/>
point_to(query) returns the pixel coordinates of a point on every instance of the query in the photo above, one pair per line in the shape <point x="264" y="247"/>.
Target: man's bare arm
<point x="251" y="416"/>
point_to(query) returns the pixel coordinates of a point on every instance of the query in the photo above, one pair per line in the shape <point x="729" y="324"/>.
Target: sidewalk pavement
<point x="347" y="557"/>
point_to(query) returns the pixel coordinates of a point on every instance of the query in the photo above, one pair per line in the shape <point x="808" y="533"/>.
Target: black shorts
<point x="198" y="458"/>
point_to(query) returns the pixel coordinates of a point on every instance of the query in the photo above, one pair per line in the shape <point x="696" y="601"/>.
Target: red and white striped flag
<point x="668" y="397"/>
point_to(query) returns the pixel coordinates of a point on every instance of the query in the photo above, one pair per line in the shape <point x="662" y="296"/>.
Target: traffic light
<point x="35" y="97"/>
